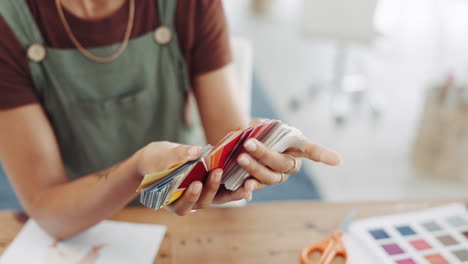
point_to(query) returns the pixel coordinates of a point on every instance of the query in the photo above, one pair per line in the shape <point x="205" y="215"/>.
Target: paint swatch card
<point x="163" y="188"/>
<point x="274" y="135"/>
<point x="433" y="236"/>
<point x="167" y="189"/>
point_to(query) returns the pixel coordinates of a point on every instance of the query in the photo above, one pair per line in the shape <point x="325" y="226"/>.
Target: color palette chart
<point x="434" y="236"/>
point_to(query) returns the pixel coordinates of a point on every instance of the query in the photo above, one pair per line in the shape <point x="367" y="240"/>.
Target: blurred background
<point x="382" y="82"/>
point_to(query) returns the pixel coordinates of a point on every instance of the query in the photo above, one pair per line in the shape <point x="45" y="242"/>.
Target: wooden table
<point x="261" y="233"/>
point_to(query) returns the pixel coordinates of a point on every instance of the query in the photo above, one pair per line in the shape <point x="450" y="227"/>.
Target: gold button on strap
<point x="163" y="35"/>
<point x="36" y="52"/>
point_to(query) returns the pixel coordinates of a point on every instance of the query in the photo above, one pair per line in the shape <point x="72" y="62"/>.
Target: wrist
<point x="134" y="166"/>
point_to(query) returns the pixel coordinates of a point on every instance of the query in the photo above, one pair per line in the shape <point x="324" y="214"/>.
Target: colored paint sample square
<point x="393" y="249"/>
<point x="405" y="230"/>
<point x="431" y="226"/>
<point x="461" y="254"/>
<point x="457" y="221"/>
<point x="436" y="259"/>
<point x="379" y="234"/>
<point x="447" y="240"/>
<point x="406" y="261"/>
<point x="420" y="244"/>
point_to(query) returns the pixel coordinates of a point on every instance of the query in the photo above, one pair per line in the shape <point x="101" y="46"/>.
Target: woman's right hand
<point x="162" y="155"/>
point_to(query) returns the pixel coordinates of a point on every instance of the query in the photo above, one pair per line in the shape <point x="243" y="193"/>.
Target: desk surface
<point x="261" y="233"/>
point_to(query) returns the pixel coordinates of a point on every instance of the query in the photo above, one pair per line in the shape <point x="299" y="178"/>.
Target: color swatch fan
<point x="169" y="185"/>
<point x="163" y="188"/>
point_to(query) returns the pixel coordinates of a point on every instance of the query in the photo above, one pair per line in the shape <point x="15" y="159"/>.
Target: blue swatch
<point x="405" y="230"/>
<point x="379" y="234"/>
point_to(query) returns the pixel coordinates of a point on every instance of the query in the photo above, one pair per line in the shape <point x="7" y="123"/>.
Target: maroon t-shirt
<point x="200" y="24"/>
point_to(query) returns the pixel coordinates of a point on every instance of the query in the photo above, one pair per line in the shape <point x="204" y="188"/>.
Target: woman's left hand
<point x="269" y="167"/>
<point x="200" y="196"/>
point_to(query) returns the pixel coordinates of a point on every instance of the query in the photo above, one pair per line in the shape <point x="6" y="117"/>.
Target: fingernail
<point x="248" y="197"/>
<point x="250" y="145"/>
<point x="217" y="176"/>
<point x="244" y="161"/>
<point x="196" y="188"/>
<point x="193" y="151"/>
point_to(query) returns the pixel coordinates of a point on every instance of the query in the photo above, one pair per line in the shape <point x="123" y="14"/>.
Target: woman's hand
<point x="199" y="196"/>
<point x="269" y="167"/>
<point x="160" y="156"/>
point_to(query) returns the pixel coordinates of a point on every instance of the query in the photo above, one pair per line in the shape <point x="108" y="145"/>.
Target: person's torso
<point x="103" y="112"/>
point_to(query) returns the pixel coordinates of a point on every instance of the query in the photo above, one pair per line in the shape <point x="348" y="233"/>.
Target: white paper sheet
<point x="357" y="253"/>
<point x="107" y="242"/>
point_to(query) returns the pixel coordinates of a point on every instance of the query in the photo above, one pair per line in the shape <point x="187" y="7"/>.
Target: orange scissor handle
<point x="330" y="248"/>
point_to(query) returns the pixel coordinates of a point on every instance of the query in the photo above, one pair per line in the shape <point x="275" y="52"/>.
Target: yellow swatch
<point x="174" y="196"/>
<point x="151" y="178"/>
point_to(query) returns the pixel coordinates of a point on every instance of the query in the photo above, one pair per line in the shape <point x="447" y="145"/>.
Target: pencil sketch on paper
<point x="60" y="255"/>
<point x="107" y="242"/>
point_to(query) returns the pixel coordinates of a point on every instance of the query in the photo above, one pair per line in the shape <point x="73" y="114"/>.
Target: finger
<point x="317" y="153"/>
<point x="297" y="164"/>
<point x="253" y="185"/>
<point x="185" y="204"/>
<point x="273" y="159"/>
<point x="259" y="171"/>
<point x="225" y="196"/>
<point x="244" y="192"/>
<point x="210" y="189"/>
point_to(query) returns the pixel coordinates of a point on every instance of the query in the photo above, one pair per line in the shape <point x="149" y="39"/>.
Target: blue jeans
<point x="8" y="200"/>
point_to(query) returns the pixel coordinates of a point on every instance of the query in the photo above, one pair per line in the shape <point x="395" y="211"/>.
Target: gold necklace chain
<point x="84" y="51"/>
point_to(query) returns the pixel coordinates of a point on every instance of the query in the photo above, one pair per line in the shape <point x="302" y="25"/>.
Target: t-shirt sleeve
<point x="16" y="86"/>
<point x="211" y="49"/>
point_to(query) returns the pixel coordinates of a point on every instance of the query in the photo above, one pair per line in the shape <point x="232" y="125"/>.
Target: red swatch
<point x="420" y="244"/>
<point x="198" y="173"/>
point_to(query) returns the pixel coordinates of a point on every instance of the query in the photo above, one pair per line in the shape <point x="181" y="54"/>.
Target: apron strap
<point x="167" y="12"/>
<point x="20" y="20"/>
<point x="167" y="15"/>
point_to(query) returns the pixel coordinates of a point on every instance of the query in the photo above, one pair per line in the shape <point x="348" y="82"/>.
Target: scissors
<point x="332" y="247"/>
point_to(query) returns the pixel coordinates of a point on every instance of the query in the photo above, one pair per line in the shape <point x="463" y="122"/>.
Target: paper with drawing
<point x="107" y="242"/>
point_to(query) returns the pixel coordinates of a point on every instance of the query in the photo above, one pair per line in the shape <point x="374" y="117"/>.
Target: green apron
<point x="102" y="113"/>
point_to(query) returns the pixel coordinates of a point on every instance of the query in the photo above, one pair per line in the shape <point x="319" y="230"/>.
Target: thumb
<point x="183" y="153"/>
<point x="161" y="156"/>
